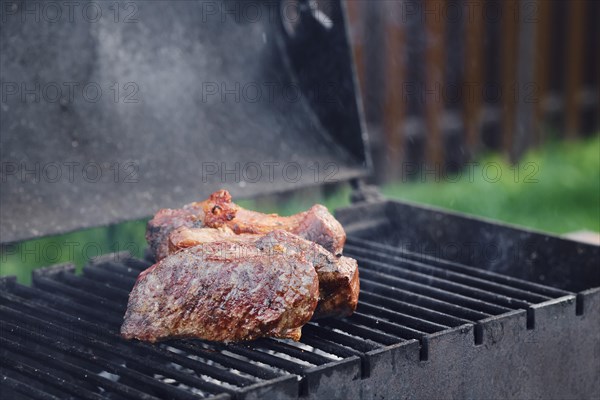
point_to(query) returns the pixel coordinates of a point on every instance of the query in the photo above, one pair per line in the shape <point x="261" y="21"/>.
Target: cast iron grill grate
<point x="60" y="338"/>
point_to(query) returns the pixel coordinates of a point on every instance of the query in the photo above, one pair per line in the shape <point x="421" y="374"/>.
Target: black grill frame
<point x="425" y="327"/>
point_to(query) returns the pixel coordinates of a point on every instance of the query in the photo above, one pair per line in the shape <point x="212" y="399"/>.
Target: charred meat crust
<point x="338" y="276"/>
<point x="208" y="292"/>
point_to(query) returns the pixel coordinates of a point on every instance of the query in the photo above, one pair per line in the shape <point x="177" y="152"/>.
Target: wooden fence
<point x="443" y="79"/>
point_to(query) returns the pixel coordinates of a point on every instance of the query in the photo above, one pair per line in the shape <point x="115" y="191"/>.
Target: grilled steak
<point x="218" y="211"/>
<point x="338" y="276"/>
<point x="223" y="291"/>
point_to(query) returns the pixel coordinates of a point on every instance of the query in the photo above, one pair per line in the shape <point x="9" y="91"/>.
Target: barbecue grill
<point x="451" y="306"/>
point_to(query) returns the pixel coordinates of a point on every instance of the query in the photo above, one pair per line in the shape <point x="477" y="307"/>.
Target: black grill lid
<point x="75" y="156"/>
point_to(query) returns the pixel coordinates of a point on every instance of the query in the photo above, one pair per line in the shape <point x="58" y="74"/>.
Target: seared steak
<point x="338" y="276"/>
<point x="223" y="291"/>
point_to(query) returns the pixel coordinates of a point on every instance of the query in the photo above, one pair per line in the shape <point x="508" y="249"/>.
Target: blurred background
<point x="444" y="81"/>
<point x="486" y="107"/>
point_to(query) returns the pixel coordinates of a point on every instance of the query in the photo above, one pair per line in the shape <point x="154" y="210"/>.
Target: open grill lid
<point x="108" y="116"/>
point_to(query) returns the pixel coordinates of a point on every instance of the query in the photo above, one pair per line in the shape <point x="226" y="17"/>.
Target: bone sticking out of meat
<point x="223" y="291"/>
<point x="338" y="276"/>
<point x="211" y="212"/>
<point x="316" y="225"/>
<point x="185" y="237"/>
<point x="218" y="211"/>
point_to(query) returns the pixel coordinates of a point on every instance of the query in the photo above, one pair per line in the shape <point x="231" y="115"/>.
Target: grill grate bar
<point x="433" y="302"/>
<point x="120" y="268"/>
<point x="436" y="292"/>
<point x="137" y="263"/>
<point x="337" y="337"/>
<point x="43" y="298"/>
<point x="361" y="331"/>
<point x="265" y="358"/>
<point x="81" y="298"/>
<point x="295" y="352"/>
<point x="58" y="385"/>
<point x="487" y="285"/>
<point x="194" y="348"/>
<point x="403" y="332"/>
<point x="8" y="392"/>
<point x="114" y="278"/>
<point x="399" y="318"/>
<point x="52" y="285"/>
<point x="329" y="346"/>
<point x="31" y="382"/>
<point x="21" y="390"/>
<point x="454" y="266"/>
<point x="102" y="289"/>
<point x="429" y="315"/>
<point x="491" y="298"/>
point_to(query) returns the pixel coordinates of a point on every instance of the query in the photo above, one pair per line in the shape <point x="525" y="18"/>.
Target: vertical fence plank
<point x="474" y="67"/>
<point x="574" y="68"/>
<point x="453" y="119"/>
<point x="526" y="88"/>
<point x="356" y="27"/>
<point x="542" y="66"/>
<point x="591" y="101"/>
<point x="435" y="25"/>
<point x="595" y="65"/>
<point x="554" y="103"/>
<point x="394" y="107"/>
<point x="508" y="44"/>
<point x="491" y="130"/>
<point x="414" y="129"/>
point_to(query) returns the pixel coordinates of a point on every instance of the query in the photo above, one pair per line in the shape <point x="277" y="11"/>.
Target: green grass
<point x="76" y="248"/>
<point x="556" y="189"/>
